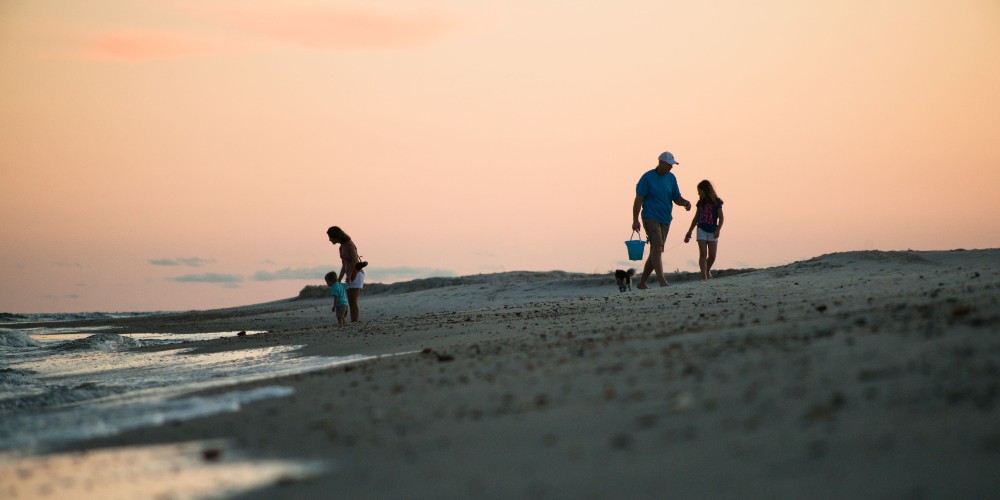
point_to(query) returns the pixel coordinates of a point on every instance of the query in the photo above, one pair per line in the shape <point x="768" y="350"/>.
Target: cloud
<point x="180" y="261"/>
<point x="69" y="296"/>
<point x="140" y="45"/>
<point x="230" y="280"/>
<point x="240" y="27"/>
<point x="315" y="273"/>
<point x="338" y="28"/>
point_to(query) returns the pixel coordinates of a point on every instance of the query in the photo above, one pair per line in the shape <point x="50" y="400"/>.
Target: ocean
<point x="59" y="385"/>
<point x="47" y="317"/>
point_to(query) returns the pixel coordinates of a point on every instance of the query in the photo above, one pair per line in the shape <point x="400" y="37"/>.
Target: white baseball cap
<point x="668" y="157"/>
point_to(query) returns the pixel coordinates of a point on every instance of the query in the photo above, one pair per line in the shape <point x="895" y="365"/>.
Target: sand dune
<point x="857" y="375"/>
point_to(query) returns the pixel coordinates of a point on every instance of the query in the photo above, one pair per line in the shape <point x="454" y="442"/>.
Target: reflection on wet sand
<point x="184" y="470"/>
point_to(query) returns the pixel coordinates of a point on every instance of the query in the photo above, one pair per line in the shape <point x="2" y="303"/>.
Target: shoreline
<point x="851" y="374"/>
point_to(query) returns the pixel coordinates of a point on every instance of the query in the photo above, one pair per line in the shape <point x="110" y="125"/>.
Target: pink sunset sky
<point x="167" y="155"/>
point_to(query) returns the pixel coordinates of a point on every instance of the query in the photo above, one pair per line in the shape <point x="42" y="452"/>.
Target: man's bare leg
<point x="658" y="264"/>
<point x="658" y="267"/>
<point x="653" y="264"/>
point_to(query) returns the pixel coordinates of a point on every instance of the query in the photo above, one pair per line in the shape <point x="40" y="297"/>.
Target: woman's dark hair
<point x="337" y="234"/>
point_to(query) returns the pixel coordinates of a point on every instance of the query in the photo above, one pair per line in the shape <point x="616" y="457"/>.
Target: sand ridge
<point x="861" y="374"/>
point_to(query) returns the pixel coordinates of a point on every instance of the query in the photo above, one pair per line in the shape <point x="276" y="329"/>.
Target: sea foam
<point x="100" y="342"/>
<point x="15" y="338"/>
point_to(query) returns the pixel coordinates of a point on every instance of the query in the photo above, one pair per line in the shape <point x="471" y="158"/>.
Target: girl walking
<point x="708" y="219"/>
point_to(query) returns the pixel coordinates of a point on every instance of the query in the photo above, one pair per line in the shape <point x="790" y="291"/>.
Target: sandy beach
<point x="852" y="375"/>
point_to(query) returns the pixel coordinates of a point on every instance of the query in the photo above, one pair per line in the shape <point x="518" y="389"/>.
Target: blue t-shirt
<point x="658" y="192"/>
<point x="339" y="290"/>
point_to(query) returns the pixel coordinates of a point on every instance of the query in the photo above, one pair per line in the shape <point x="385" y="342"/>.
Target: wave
<point x="16" y="377"/>
<point x="49" y="317"/>
<point x="99" y="342"/>
<point x="17" y="383"/>
<point x="35" y="428"/>
<point x="60" y="395"/>
<point x="14" y="338"/>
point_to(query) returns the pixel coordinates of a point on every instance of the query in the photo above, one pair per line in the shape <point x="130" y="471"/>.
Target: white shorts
<point x="706" y="236"/>
<point x="359" y="281"/>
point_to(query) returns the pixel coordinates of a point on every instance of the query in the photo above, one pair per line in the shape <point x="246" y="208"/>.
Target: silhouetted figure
<point x="708" y="219"/>
<point x="655" y="194"/>
<point x="349" y="267"/>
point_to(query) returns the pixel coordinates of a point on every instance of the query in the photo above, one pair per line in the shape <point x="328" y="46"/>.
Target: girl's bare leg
<point x="703" y="258"/>
<point x="713" y="247"/>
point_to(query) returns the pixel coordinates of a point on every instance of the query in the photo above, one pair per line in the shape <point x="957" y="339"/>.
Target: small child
<point x="708" y="218"/>
<point x="339" y="292"/>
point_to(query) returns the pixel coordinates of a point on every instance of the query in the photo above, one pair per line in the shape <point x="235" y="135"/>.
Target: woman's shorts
<point x="706" y="236"/>
<point x="359" y="281"/>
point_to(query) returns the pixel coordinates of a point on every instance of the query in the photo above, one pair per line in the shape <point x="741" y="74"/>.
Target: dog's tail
<point x="630" y="272"/>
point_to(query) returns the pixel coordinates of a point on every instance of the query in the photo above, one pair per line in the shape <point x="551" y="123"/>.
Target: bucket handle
<point x="632" y="236"/>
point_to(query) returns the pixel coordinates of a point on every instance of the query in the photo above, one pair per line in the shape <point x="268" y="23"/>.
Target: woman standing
<point x="349" y="260"/>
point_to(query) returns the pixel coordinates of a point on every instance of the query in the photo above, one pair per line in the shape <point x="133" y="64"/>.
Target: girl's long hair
<point x="709" y="192"/>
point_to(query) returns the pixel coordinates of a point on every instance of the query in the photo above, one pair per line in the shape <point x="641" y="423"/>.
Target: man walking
<point x="655" y="195"/>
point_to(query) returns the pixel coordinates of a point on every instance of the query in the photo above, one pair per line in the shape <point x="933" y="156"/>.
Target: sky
<point x="173" y="155"/>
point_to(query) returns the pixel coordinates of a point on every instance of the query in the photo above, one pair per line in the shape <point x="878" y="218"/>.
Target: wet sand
<point x="857" y="375"/>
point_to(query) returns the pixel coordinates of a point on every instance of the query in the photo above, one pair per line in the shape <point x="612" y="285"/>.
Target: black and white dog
<point x="624" y="279"/>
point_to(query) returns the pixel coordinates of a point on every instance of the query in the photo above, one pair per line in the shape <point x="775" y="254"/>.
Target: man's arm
<point x="681" y="202"/>
<point x="636" y="208"/>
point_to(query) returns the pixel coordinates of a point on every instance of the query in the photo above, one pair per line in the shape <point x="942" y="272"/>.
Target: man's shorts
<point x="705" y="235"/>
<point x="341" y="311"/>
<point x="656" y="233"/>
<point x="358" y="282"/>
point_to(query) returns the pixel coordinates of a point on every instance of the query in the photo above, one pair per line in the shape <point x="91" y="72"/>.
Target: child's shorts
<point x="341" y="311"/>
<point x="706" y="236"/>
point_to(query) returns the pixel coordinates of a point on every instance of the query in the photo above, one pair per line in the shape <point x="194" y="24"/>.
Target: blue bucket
<point x="635" y="248"/>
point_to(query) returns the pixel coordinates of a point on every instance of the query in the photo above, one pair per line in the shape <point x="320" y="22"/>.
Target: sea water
<point x="64" y="384"/>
